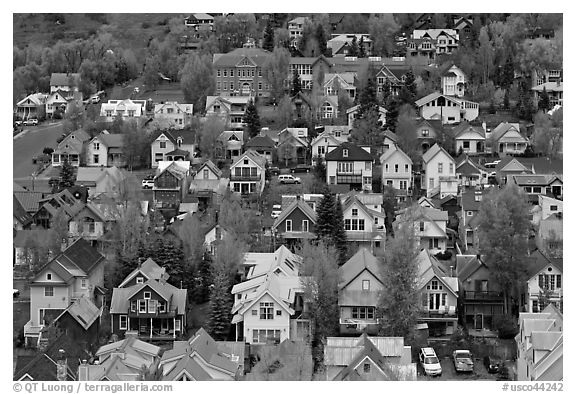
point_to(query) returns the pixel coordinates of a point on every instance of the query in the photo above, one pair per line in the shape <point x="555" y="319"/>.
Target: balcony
<point x="349" y="177"/>
<point x="146" y="314"/>
<point x="493" y="296"/>
<point x="443" y="313"/>
<point x="245" y="177"/>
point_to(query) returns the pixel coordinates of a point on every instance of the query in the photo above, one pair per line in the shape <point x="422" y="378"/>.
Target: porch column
<point x="150" y="328"/>
<point x="237" y="332"/>
<point x="174" y="327"/>
<point x="128" y="318"/>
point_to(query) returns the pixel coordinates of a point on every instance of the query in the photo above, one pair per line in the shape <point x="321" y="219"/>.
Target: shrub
<point x="507" y="327"/>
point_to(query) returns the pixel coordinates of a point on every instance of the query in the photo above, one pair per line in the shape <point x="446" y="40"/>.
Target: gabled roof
<point x="149" y="269"/>
<point x="355" y="153"/>
<point x="467" y="265"/>
<point x="466" y="127"/>
<point x="296" y="204"/>
<point x="429" y="268"/>
<point x="392" y="152"/>
<point x="260" y="141"/>
<point x="75" y="140"/>
<point x="362" y="260"/>
<point x="83" y="311"/>
<point x="211" y="166"/>
<point x="20" y="213"/>
<point x="35" y="98"/>
<point x="254" y="156"/>
<point x="121" y="296"/>
<point x="505" y="161"/>
<point x="500" y="130"/>
<point x="96" y="174"/>
<point x="188" y="137"/>
<point x="433" y="151"/>
<point x="434" y="96"/>
<point x="64" y="79"/>
<point x="537" y="261"/>
<point x="111" y="140"/>
<point x="255" y="56"/>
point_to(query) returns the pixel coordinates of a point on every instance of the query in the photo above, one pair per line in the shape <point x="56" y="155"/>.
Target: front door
<point x="478" y="321"/>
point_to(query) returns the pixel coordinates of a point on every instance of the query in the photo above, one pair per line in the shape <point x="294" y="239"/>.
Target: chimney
<point x="478" y="257"/>
<point x="61" y="366"/>
<point x="83" y="371"/>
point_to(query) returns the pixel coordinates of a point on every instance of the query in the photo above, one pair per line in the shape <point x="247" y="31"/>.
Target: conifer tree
<point x="220" y="305"/>
<point x="353" y="48"/>
<point x="67" y="177"/>
<point x="367" y="98"/>
<point x="544" y="101"/>
<point x="268" y="42"/>
<point x="252" y="119"/>
<point x="296" y="84"/>
<point x="321" y="39"/>
<point x="330" y="225"/>
<point x="339" y="234"/>
<point x="361" y="49"/>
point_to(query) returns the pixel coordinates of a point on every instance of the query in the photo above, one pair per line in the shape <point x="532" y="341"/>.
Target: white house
<point x="548" y="206"/>
<point x="176" y="115"/>
<point x="352" y="114"/>
<point x="59" y="100"/>
<point x="105" y="150"/>
<point x="64" y="81"/>
<point x="437" y="106"/>
<point x="454" y="82"/>
<point x="544" y="281"/>
<point x="364" y="226"/>
<point x="125" y="108"/>
<point x="349" y="164"/>
<point x="397" y="171"/>
<point x="439" y="173"/>
<point x="230" y="109"/>
<point x="429" y="226"/>
<point x="231" y="143"/>
<point x="248" y="173"/>
<point x="507" y="139"/>
<point x="172" y="145"/>
<point x="469" y="139"/>
<point x="331" y="136"/>
<point x="342" y="81"/>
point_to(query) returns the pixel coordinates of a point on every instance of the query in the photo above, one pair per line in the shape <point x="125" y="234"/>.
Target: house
<point x="30" y="200"/>
<point x="201" y="358"/>
<point x="397" y="172"/>
<point x="470" y="172"/>
<point x="353" y="113"/>
<point x="230" y="144"/>
<point x="544" y="285"/>
<point x="368" y="359"/>
<point x="295" y="29"/>
<point x="67" y="82"/>
<point x="248" y="173"/>
<point x="540" y="346"/>
<point x="72" y="149"/>
<point x="454" y="82"/>
<point x="463" y="27"/>
<point x="106" y="150"/>
<point x="335" y="82"/>
<point x="230" y="109"/>
<point x="145" y="271"/>
<point x="25" y="242"/>
<point x="539" y="77"/>
<point x="349" y="164"/>
<point x="296" y="222"/>
<point x="81" y="322"/>
<point x="331" y="136"/>
<point x="439" y="295"/>
<point x="177" y="116"/>
<point x="213" y="236"/>
<point x="340" y="44"/>
<point x="153" y="309"/>
<point x="263" y="145"/>
<point x="302" y="106"/>
<point x="51" y="206"/>
<point x="76" y="272"/>
<point x="92" y="222"/>
<point x="308" y="69"/>
<point x="292" y="146"/>
<point x="171" y="183"/>
<point x="59" y="361"/>
<point x="439" y="172"/>
<point x="364" y="226"/>
<point x="129" y="359"/>
<point x="429" y="225"/>
<point x="207" y="184"/>
<point x="536" y="185"/>
<point x="172" y="145"/>
<point x="448" y="109"/>
<point x="510" y="166"/>
<point x="470" y="202"/>
<point x="547" y="206"/>
<point x="361" y="283"/>
<point x="555" y="91"/>
<point x="313" y="200"/>
<point x="432" y="42"/>
<point x="200" y="22"/>
<point x="239" y="73"/>
<point x="268" y="305"/>
<point x="428" y="132"/>
<point x="58" y="101"/>
<point x="328" y="108"/>
<point x="101" y="180"/>
<point x="506" y="139"/>
<point x="21" y="218"/>
<point x="480" y="295"/>
<point x="32" y="106"/>
<point x="469" y="139"/>
<point x="126" y="109"/>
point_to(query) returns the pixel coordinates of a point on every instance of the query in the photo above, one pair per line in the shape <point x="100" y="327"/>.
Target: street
<point x="30" y="143"/>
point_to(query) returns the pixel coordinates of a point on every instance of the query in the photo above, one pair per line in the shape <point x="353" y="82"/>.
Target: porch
<point x="59" y="159"/>
<point x="160" y="328"/>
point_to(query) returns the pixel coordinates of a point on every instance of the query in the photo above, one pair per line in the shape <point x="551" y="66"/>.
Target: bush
<point x="445" y="255"/>
<point x="48" y="151"/>
<point x="145" y="25"/>
<point x="506" y="326"/>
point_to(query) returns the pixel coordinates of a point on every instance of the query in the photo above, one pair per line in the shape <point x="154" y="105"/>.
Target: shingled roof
<point x="355" y="153"/>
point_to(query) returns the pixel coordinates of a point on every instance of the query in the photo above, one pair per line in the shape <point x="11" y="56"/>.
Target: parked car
<point x="31" y="122"/>
<point x="285" y="179"/>
<point x="276" y="210"/>
<point x="300" y="168"/>
<point x="463" y="361"/>
<point x="492" y="164"/>
<point x="148" y="183"/>
<point x="95" y="99"/>
<point x="15" y="293"/>
<point x="492" y="364"/>
<point x="18" y="122"/>
<point x="430" y="362"/>
<point x="274" y="171"/>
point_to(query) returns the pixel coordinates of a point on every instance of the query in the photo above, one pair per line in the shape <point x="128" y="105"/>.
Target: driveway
<point x="449" y="372"/>
<point x="30" y="143"/>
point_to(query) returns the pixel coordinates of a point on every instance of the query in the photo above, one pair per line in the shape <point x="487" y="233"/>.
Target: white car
<point x="147" y="183"/>
<point x="285" y="179"/>
<point x="31" y="122"/>
<point x="276" y="210"/>
<point x="430" y="362"/>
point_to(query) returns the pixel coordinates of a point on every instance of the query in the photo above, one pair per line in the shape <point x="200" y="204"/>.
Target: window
<point x="537" y="189"/>
<point x="225" y="72"/>
<point x="96" y="159"/>
<point x="354" y="212"/>
<point x="469" y="213"/>
<point x="434" y="285"/>
<point x="96" y="146"/>
<point x="305" y="225"/>
<point x="49" y="291"/>
<point x="405" y="167"/>
<point x="288" y="225"/>
<point x="147" y="295"/>
<point x="558" y="281"/>
<point x="262" y="336"/>
<point x="133" y="306"/>
<point x="84" y="283"/>
<point x="162" y="144"/>
<point x="254" y="312"/>
<point x="365" y="285"/>
<point x="368" y="166"/>
<point x="279" y="312"/>
<point x="440" y="168"/>
<point x="177" y="325"/>
<point x="179" y="142"/>
<point x="266" y="310"/>
<point x="205" y="174"/>
<point x="403" y="185"/>
<point x="48" y="276"/>
<point x="366" y="368"/>
<point x="553" y="207"/>
<point x="123" y="322"/>
<point x="431" y="183"/>
<point x="421" y="226"/>
<point x="363" y="312"/>
<point x="425" y="132"/>
<point x="231" y="85"/>
<point x="232" y="72"/>
<point x="386" y="167"/>
<point x="142" y="306"/>
<point x="218" y="73"/>
<point x="152" y="306"/>
<point x="451" y="168"/>
<point x="218" y="85"/>
<point x="347" y="224"/>
<point x="345" y="153"/>
<point x="396" y="167"/>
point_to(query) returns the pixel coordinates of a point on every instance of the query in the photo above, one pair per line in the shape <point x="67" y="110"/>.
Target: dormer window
<point x="345" y="153"/>
<point x="147" y="295"/>
<point x="139" y="280"/>
<point x="48" y="276"/>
